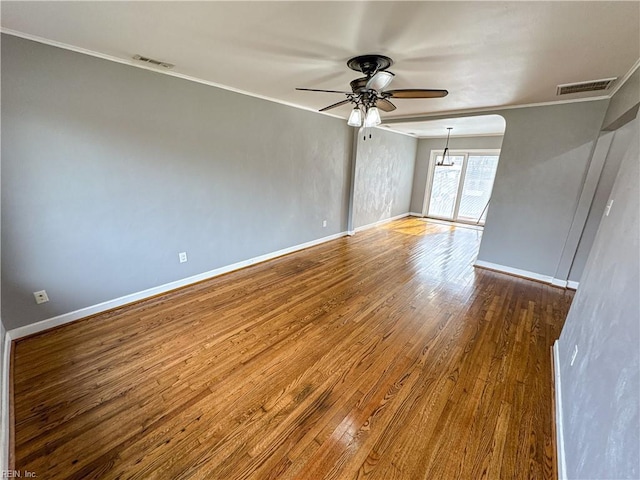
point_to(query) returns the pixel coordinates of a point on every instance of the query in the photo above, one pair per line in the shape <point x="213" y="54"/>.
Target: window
<point x="461" y="189"/>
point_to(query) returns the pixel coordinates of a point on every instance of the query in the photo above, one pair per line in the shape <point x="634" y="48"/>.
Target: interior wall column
<point x="352" y="184"/>
<point x="581" y="214"/>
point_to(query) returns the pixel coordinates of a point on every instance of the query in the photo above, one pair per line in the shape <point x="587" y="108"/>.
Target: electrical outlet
<point x="607" y="210"/>
<point x="182" y="256"/>
<point x="575" y="354"/>
<point x="324" y="223"/>
<point x="41" y="296"/>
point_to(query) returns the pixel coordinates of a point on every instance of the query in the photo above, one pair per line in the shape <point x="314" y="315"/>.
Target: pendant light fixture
<point x="445" y="153"/>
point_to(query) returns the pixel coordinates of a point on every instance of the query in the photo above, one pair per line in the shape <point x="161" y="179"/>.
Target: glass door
<point x="444" y="187"/>
<point x="476" y="190"/>
<point x="461" y="189"/>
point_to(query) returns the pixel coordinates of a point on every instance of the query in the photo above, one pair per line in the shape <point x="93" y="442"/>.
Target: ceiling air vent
<point x="151" y="61"/>
<point x="590" y="86"/>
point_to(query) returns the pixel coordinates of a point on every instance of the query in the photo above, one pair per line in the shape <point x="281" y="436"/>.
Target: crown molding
<point x="493" y="110"/>
<point x="472" y="135"/>
<point x="388" y="120"/>
<point x="133" y="63"/>
<point x="624" y="79"/>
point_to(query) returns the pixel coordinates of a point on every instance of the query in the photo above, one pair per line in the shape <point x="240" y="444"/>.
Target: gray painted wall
<point x="108" y="171"/>
<point x="625" y="99"/>
<point x="600" y="392"/>
<point x="619" y="145"/>
<point x="383" y="176"/>
<point x="544" y="158"/>
<point x="4" y="414"/>
<point x="619" y="118"/>
<point x="589" y="186"/>
<point x="426" y="145"/>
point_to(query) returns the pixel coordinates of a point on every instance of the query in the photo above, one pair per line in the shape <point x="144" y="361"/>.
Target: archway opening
<point x="454" y="177"/>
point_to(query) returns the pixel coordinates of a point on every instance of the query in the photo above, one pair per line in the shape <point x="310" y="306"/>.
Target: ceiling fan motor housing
<point x="369" y="64"/>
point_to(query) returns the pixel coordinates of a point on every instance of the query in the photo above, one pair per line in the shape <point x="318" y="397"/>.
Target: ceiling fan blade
<point x="380" y="80"/>
<point x="316" y="90"/>
<point x="343" y="102"/>
<point x="385" y="105"/>
<point x="416" y="93"/>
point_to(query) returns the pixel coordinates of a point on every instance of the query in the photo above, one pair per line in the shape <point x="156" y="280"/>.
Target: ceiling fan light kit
<point x="355" y="119"/>
<point x="372" y="118"/>
<point x="367" y="93"/>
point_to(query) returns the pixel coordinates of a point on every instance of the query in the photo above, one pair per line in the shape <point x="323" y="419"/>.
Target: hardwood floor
<point x="381" y="356"/>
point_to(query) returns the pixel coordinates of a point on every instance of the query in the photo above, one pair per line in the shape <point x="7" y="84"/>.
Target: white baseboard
<point x="415" y="214"/>
<point x="133" y="297"/>
<point x="559" y="283"/>
<point x="526" y="274"/>
<point x="514" y="271"/>
<point x="4" y="404"/>
<point x="562" y="462"/>
<point x="381" y="222"/>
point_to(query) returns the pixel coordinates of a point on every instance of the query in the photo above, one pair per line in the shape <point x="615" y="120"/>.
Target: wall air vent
<point x="590" y="86"/>
<point x="151" y="61"/>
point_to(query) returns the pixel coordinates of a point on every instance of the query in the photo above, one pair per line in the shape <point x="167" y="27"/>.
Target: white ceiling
<point x="487" y="54"/>
<point x="461" y="126"/>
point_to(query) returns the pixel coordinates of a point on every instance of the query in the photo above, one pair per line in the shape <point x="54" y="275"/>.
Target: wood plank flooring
<point x="381" y="356"/>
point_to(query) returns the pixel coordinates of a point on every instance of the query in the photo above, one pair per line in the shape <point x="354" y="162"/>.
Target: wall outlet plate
<point x="41" y="296"/>
<point x="182" y="256"/>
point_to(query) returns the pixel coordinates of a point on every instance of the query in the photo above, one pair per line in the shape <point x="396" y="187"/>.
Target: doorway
<point x="459" y="191"/>
<point x="459" y="186"/>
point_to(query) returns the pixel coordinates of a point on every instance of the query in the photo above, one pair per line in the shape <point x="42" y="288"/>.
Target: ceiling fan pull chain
<point x="365" y="131"/>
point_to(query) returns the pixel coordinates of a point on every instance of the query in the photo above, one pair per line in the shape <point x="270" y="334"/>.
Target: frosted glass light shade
<point x="373" y="118"/>
<point x="355" y="119"/>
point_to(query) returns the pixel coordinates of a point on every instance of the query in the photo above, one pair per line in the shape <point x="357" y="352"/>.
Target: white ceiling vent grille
<point x="590" y="86"/>
<point x="151" y="61"/>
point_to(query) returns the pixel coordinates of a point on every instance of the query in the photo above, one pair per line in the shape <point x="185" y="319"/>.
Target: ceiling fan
<point x="367" y="93"/>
